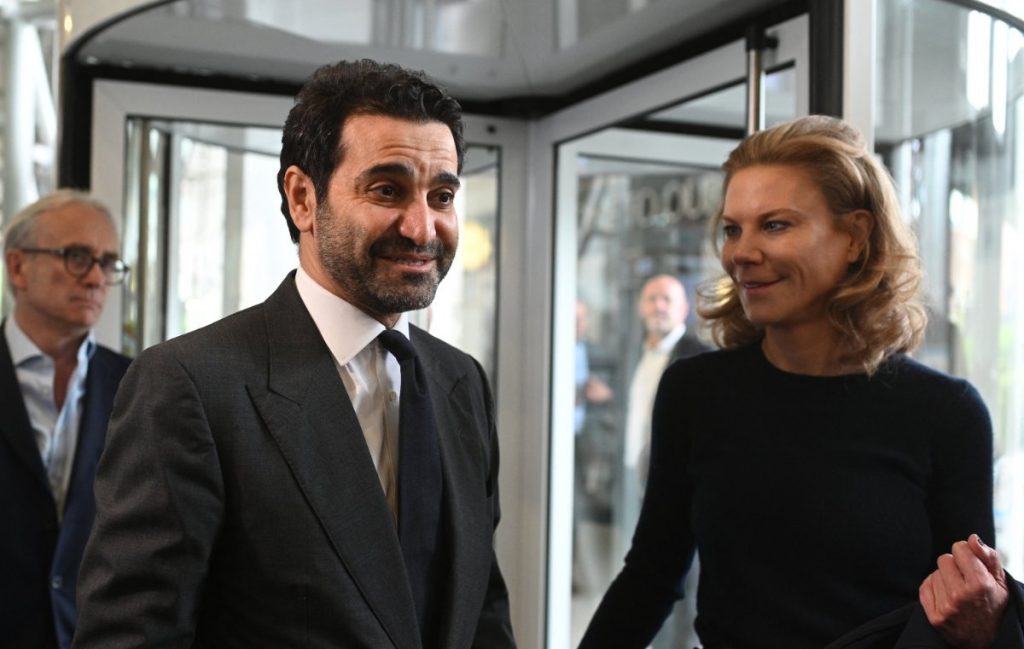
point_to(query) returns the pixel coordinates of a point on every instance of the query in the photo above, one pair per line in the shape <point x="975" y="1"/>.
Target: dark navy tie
<point x="419" y="484"/>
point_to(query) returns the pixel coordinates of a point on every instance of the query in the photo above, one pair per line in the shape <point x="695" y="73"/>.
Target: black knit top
<point x="817" y="503"/>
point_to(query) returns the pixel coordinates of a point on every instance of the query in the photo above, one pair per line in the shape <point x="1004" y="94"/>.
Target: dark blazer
<point x="39" y="558"/>
<point x="238" y="505"/>
<point x="686" y="347"/>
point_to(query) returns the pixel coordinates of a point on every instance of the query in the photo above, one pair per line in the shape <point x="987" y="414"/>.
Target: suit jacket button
<point x="56" y="582"/>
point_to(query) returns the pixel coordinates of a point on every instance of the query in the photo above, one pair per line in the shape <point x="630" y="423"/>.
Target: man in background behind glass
<point x="662" y="309"/>
<point x="56" y="390"/>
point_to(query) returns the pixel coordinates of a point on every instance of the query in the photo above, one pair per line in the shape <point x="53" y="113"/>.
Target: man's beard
<point x="342" y="252"/>
<point x="659" y="326"/>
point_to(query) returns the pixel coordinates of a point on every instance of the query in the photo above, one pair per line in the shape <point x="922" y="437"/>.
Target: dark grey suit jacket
<point x="237" y="504"/>
<point x="39" y="558"/>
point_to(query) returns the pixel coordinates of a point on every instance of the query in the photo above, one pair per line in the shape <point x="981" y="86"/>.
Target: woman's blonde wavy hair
<point x="876" y="308"/>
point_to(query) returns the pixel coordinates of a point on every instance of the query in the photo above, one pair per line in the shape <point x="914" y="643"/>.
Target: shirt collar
<point x="23" y="349"/>
<point x="669" y="341"/>
<point x="346" y="329"/>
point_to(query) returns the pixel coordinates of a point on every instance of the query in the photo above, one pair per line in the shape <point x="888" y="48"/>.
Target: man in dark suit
<point x="254" y="490"/>
<point x="56" y="390"/>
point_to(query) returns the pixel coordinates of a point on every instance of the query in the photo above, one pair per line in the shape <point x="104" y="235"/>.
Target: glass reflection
<point x="645" y="193"/>
<point x="726" y="107"/>
<point x="470" y="27"/>
<point x="637" y="220"/>
<point x="950" y="129"/>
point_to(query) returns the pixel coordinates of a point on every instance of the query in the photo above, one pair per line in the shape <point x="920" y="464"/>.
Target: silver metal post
<point x="755" y="91"/>
<point x="757" y="42"/>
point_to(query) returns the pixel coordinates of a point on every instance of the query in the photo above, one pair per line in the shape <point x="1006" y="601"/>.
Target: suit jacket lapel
<point x="15" y="427"/>
<point x="100" y="384"/>
<point x="464" y="517"/>
<point x="307" y="410"/>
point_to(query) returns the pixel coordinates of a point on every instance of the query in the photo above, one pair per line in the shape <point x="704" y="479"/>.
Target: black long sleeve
<point x="816" y="503"/>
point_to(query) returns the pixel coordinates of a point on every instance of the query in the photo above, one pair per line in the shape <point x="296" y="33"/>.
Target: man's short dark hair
<point x="312" y="133"/>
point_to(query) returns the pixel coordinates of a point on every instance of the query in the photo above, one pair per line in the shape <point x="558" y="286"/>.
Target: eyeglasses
<point x="78" y="261"/>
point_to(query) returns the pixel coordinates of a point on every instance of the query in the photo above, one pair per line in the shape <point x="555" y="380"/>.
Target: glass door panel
<point x="638" y="219"/>
<point x="643" y="193"/>
<point x="950" y="127"/>
<point x="226" y="248"/>
<point x="724" y="108"/>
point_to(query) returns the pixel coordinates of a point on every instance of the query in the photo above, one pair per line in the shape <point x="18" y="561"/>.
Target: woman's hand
<point x="966" y="596"/>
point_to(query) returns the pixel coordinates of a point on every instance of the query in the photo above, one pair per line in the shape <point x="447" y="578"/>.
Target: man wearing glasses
<point x="56" y="389"/>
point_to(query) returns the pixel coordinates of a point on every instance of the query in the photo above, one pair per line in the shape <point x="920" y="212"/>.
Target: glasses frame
<point x="110" y="265"/>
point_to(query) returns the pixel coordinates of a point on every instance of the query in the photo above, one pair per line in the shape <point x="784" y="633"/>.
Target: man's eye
<point x="387" y="191"/>
<point x="110" y="261"/>
<point x="445" y="198"/>
<point x="78" y="255"/>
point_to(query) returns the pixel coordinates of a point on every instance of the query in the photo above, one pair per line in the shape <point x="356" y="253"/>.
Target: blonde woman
<point x="820" y="471"/>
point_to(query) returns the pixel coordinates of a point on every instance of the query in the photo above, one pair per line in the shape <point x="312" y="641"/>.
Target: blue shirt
<point x="582" y="376"/>
<point x="56" y="431"/>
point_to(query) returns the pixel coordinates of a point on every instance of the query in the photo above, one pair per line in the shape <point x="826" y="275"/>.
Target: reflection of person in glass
<point x="589" y="387"/>
<point x="662" y="308"/>
<point x="820" y="472"/>
<point x="591" y="467"/>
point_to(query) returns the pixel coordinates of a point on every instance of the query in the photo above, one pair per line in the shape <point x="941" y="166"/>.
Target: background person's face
<point x="47" y="295"/>
<point x="387" y="232"/>
<point x="662" y="305"/>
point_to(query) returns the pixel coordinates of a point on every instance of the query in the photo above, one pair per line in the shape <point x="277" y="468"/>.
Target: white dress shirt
<point x="371" y="375"/>
<point x="56" y="431"/>
<point x="642" y="390"/>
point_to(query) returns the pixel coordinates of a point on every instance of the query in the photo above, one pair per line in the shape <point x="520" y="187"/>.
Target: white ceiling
<point x="481" y="49"/>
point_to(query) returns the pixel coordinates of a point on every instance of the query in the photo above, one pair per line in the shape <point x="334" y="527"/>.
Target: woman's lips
<point x="751" y="287"/>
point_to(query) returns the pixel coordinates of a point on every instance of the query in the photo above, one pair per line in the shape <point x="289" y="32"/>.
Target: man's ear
<point x="14" y="260"/>
<point x="861" y="223"/>
<point x="298" y="188"/>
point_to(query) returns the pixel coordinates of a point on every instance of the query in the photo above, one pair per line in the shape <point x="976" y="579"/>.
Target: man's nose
<point x="95" y="276"/>
<point x="417" y="222"/>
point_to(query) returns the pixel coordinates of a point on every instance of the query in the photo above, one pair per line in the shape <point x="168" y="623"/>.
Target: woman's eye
<point x="775" y="226"/>
<point x="731" y="231"/>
